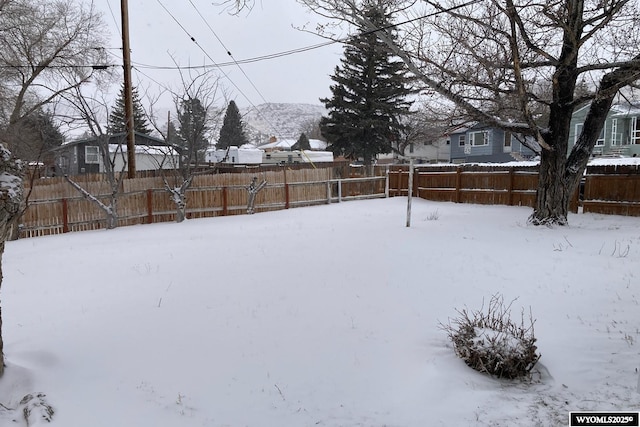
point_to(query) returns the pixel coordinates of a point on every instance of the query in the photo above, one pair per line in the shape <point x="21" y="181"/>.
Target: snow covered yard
<point x="321" y="316"/>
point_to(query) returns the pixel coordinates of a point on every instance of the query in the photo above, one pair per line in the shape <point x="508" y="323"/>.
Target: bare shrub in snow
<point x="490" y="342"/>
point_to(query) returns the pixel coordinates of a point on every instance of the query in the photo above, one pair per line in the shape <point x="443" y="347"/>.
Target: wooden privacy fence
<point x="492" y="185"/>
<point x="55" y="207"/>
<point x="612" y="190"/>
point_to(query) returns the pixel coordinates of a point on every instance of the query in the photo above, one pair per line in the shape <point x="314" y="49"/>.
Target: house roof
<point x="117" y="139"/>
<point x="286" y="144"/>
<point x="162" y="150"/>
<point x="624" y="110"/>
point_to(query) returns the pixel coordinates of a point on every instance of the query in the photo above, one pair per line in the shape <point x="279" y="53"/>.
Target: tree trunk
<point x="554" y="193"/>
<point x="11" y="203"/>
<point x="1" y="340"/>
<point x="180" y="200"/>
<point x="112" y="213"/>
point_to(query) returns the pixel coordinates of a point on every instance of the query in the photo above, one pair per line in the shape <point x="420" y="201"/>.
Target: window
<point x="635" y="131"/>
<point x="91" y="155"/>
<point x="479" y="138"/>
<point x="600" y="141"/>
<point x="578" y="132"/>
<point x="411" y="148"/>
<point x="614" y="132"/>
<point x="461" y="141"/>
<point x="507" y="142"/>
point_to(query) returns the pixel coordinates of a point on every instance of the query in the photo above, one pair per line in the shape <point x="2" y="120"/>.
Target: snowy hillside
<point x="282" y="120"/>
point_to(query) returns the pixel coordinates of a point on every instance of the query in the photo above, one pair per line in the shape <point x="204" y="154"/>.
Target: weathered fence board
<point x="55" y="207"/>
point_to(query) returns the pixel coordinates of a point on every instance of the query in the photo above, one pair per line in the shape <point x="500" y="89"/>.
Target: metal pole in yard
<point x="410" y="192"/>
<point x="386" y="183"/>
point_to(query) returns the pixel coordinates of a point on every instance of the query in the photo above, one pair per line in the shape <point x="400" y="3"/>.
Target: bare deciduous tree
<point x="90" y="110"/>
<point x="518" y="66"/>
<point x="197" y="118"/>
<point x="47" y="47"/>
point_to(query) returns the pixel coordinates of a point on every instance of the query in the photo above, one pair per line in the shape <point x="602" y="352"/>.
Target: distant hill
<point x="285" y="121"/>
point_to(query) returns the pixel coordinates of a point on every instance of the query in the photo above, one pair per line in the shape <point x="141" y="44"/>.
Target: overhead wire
<point x="203" y="51"/>
<point x="113" y="16"/>
<point x="228" y="51"/>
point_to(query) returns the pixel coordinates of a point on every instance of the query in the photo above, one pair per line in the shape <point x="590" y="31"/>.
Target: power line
<point x="113" y="16"/>
<point x="203" y="50"/>
<point x="210" y="58"/>
<point x="239" y="67"/>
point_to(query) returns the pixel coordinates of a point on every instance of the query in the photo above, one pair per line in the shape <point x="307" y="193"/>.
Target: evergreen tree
<point x="172" y="136"/>
<point x="369" y="97"/>
<point x="193" y="130"/>
<point x="232" y="131"/>
<point x="34" y="135"/>
<point x="302" y="143"/>
<point x="117" y="122"/>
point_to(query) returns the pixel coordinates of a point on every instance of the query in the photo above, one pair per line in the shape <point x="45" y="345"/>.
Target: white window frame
<point x="600" y="140"/>
<point x="90" y="157"/>
<point x="614" y="131"/>
<point x="508" y="143"/>
<point x="578" y="131"/>
<point x="473" y="139"/>
<point x="634" y="131"/>
<point x="461" y="141"/>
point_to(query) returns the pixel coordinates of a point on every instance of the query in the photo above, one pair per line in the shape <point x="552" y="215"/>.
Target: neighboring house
<point x="478" y="143"/>
<point x="620" y="134"/>
<point x="435" y="147"/>
<point x="430" y="151"/>
<point x="83" y="156"/>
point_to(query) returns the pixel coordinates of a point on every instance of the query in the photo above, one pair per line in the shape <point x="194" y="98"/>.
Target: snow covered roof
<point x="286" y="144"/>
<point x="624" y="110"/>
<point x="155" y="150"/>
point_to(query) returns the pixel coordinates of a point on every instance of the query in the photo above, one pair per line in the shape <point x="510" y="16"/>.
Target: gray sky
<point x="156" y="35"/>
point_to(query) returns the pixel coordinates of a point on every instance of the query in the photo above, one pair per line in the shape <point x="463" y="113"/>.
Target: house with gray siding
<point x="83" y="156"/>
<point x="620" y="135"/>
<point x="478" y="143"/>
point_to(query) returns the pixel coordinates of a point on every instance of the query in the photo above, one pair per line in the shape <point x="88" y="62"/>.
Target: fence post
<point x="339" y="190"/>
<point x="410" y="192"/>
<point x="399" y="193"/>
<point x="286" y="195"/>
<point x="328" y="192"/>
<point x="510" y="188"/>
<point x="386" y="183"/>
<point x="225" y="206"/>
<point x="458" y="183"/>
<point x="415" y="173"/>
<point x="65" y="216"/>
<point x="286" y="188"/>
<point x="149" y="206"/>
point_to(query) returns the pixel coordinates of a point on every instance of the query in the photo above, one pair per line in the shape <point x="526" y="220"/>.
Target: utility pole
<point x="128" y="91"/>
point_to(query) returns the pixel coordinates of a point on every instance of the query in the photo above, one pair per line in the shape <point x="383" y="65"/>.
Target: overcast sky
<point x="157" y="34"/>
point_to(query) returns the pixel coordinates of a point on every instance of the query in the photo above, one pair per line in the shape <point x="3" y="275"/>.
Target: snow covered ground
<point x="320" y="316"/>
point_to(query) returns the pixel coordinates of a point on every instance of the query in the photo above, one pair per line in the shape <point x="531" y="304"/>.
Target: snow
<point x="319" y="316"/>
<point x="286" y="144"/>
<point x="11" y="185"/>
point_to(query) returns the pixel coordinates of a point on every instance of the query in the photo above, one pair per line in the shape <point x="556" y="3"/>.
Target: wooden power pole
<point x="128" y="91"/>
